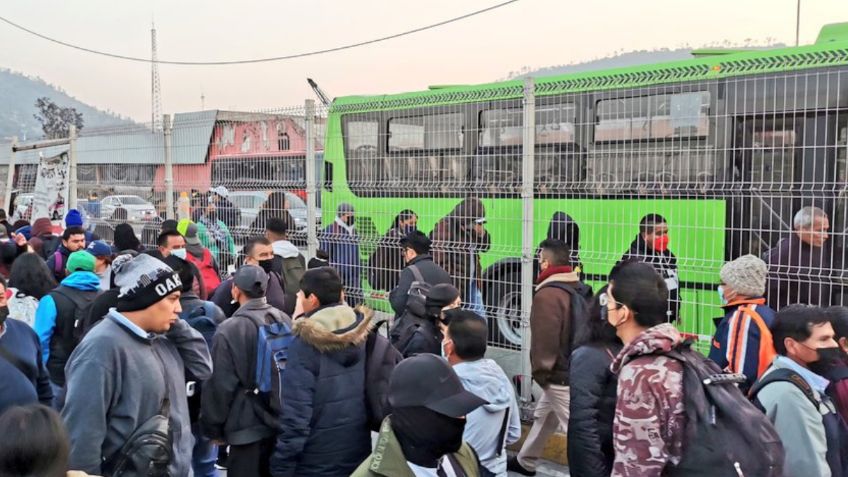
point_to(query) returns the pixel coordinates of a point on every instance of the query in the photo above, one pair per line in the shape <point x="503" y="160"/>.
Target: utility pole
<point x="798" y="24"/>
<point x="155" y="87"/>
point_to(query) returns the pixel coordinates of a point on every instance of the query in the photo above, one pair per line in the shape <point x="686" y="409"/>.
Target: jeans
<point x="474" y="302"/>
<point x="204" y="454"/>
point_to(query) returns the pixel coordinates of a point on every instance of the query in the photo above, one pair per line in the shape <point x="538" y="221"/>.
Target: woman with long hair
<point x="29" y="280"/>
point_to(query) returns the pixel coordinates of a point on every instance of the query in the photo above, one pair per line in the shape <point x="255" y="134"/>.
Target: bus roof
<point x="830" y="49"/>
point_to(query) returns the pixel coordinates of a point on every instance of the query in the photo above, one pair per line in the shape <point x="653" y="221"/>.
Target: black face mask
<point x="350" y="220"/>
<point x="425" y="436"/>
<point x="4" y="313"/>
<point x="267" y="265"/>
<point x="829" y="358"/>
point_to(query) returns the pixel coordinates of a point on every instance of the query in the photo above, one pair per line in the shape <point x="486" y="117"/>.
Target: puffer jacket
<point x="457" y="247"/>
<point x="650" y="419"/>
<point x="593" y="395"/>
<point x="324" y="426"/>
<point x="388" y="460"/>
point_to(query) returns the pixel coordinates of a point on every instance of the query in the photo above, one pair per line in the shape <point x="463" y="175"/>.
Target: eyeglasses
<point x="604" y="300"/>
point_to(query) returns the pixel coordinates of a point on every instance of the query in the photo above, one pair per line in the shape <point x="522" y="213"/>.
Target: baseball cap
<point x="222" y="191"/>
<point x="80" y="261"/>
<point x="427" y="380"/>
<point x="99" y="248"/>
<point x="252" y="280"/>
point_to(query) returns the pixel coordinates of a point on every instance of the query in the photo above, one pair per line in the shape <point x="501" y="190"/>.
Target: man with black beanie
<point x="420" y="267"/>
<point x="130" y="366"/>
<point x="423" y="435"/>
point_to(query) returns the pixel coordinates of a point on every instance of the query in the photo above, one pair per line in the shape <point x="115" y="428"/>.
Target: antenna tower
<point x="156" y="89"/>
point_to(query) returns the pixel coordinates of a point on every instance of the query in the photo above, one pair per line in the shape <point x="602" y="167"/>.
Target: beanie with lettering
<point x="143" y="281"/>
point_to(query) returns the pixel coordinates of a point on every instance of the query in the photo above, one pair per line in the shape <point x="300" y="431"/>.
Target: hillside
<point x="17" y="106"/>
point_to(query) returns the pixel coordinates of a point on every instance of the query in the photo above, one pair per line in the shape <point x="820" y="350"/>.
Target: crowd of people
<point x="122" y="360"/>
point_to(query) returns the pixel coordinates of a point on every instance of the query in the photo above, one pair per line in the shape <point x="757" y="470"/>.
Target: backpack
<point x="416" y="296"/>
<point x="81" y="301"/>
<point x="579" y="331"/>
<point x="202" y="319"/>
<point x="380" y="360"/>
<point x="210" y="278"/>
<point x="726" y="435"/>
<point x="272" y="353"/>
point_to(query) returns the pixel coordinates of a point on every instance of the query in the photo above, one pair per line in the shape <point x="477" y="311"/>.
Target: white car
<point x="250" y="203"/>
<point x="137" y="208"/>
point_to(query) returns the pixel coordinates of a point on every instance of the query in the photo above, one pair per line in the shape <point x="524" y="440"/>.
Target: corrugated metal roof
<point x="190" y="138"/>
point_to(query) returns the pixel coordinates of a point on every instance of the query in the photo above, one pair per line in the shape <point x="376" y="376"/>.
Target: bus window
<point x="361" y="140"/>
<point x="660" y="116"/>
<point x="504" y="127"/>
<point x="430" y="132"/>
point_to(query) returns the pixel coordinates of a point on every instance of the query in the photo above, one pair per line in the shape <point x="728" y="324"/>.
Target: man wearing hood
<point x="418" y="330"/>
<point x="423" y="435"/>
<point x="42" y="238"/>
<point x="288" y="262"/>
<point x="650" y="417"/>
<point x="131" y="365"/>
<point x="651" y="247"/>
<point x="324" y="420"/>
<point x="458" y="240"/>
<point x="341" y="242"/>
<point x="57" y="313"/>
<point x="491" y="427"/>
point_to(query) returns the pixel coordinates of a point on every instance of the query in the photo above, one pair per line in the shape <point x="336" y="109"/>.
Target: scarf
<point x="553" y="271"/>
<point x="425" y="436"/>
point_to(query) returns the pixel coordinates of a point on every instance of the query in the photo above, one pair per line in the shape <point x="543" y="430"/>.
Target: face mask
<point x="408" y="229"/>
<point x="425" y="436"/>
<point x="179" y="253"/>
<point x="4" y="313"/>
<point x="661" y="243"/>
<point x="350" y="221"/>
<point x="267" y="265"/>
<point x="721" y="295"/>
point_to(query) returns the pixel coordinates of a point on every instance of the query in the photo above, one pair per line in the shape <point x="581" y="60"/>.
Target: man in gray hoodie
<point x="492" y="426"/>
<point x="128" y="364"/>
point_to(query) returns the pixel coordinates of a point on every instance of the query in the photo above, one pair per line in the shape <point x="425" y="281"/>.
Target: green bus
<point x="726" y="146"/>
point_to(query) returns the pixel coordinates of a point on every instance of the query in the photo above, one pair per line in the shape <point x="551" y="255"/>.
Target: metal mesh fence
<point x="721" y="166"/>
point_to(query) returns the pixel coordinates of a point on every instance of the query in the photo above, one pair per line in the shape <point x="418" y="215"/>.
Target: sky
<point x="485" y="48"/>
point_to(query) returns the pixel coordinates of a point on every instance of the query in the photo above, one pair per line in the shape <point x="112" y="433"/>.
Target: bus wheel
<point x="503" y="302"/>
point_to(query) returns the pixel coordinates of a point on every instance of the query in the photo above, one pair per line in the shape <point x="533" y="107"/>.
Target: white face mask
<point x="179" y="253"/>
<point x="721" y="295"/>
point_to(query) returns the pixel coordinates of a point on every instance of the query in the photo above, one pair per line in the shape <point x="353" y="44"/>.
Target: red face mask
<point x="661" y="243"/>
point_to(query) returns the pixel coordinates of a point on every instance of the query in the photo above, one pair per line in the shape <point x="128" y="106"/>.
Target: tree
<point x="55" y="120"/>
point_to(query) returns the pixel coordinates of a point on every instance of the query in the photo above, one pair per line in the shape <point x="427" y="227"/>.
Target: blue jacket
<point x="743" y="342"/>
<point x="21" y="388"/>
<point x="46" y="314"/>
<point x="324" y="428"/>
<point x="343" y="249"/>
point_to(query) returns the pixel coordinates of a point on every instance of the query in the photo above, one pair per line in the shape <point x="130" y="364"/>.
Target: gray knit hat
<point x="746" y="275"/>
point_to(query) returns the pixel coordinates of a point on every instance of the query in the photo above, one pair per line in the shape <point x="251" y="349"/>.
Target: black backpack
<point x="380" y="360"/>
<point x="418" y="291"/>
<point x="726" y="435"/>
<point x="81" y="301"/>
<point x="579" y="329"/>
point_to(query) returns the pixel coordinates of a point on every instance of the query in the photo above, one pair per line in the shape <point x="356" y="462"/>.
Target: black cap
<point x="416" y="240"/>
<point x="442" y="295"/>
<point x="252" y="280"/>
<point x="427" y="380"/>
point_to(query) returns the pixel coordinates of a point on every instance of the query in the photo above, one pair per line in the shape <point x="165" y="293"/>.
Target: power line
<point x="260" y="60"/>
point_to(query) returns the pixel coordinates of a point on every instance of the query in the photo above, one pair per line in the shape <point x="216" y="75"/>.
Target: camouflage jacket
<point x="649" y="424"/>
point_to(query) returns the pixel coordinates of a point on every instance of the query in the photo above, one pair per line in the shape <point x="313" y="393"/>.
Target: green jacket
<point x="207" y="241"/>
<point x="387" y="459"/>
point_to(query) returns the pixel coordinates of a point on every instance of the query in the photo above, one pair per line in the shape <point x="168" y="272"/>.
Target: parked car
<point x="137" y="208"/>
<point x="251" y="202"/>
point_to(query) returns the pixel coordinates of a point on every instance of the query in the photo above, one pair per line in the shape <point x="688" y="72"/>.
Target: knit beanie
<point x="73" y="219"/>
<point x="143" y="281"/>
<point x="746" y="275"/>
<point x="80" y="261"/>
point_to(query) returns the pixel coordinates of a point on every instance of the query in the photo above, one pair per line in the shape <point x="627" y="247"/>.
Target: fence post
<point x="311" y="179"/>
<point x="10" y="178"/>
<point x="527" y="245"/>
<point x="72" y="169"/>
<point x="169" y="167"/>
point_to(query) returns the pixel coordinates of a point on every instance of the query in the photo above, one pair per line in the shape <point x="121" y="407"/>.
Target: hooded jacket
<point x="228" y="411"/>
<point x="290" y="265"/>
<point x="456" y="247"/>
<point x="593" y="393"/>
<point x="388" y="460"/>
<point x="483" y="425"/>
<point x="58" y="269"/>
<point x="801" y="273"/>
<point x="550" y="329"/>
<point x="324" y="419"/>
<point x="650" y="419"/>
<point x="43" y="241"/>
<point x="54" y="324"/>
<point x="416" y="333"/>
<point x="665" y="263"/>
<point x="118" y="378"/>
<point x="220" y="243"/>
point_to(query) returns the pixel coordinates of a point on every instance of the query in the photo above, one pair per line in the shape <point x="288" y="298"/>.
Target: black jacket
<point x="415" y="333"/>
<point x="593" y="396"/>
<point x="432" y="273"/>
<point x="665" y="263"/>
<point x="801" y="273"/>
<point x="275" y="295"/>
<point x="63" y="342"/>
<point x="58" y="270"/>
<point x="229" y="411"/>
